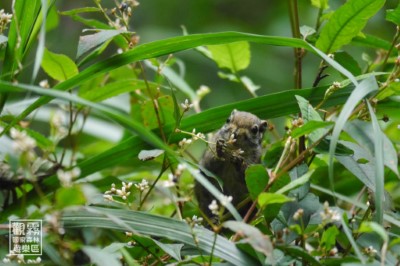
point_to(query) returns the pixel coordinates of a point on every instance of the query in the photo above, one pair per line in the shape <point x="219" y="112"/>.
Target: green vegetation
<point x="103" y="145"/>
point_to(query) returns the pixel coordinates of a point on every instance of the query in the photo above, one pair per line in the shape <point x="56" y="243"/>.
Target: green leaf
<point x="256" y="179"/>
<point x="163" y="47"/>
<point x="100" y="93"/>
<point x="348" y="62"/>
<point x="252" y="235"/>
<point x="322" y="4"/>
<point x="233" y="56"/>
<point x="298" y="252"/>
<point x="69" y="196"/>
<point x="363" y="133"/>
<point x="328" y="239"/>
<point x="20" y="34"/>
<point x="265" y="199"/>
<point x="393" y="15"/>
<point x="296" y="183"/>
<point x="310" y="127"/>
<point x="368" y="227"/>
<point x="172" y="249"/>
<point x="349" y="235"/>
<point x="393" y="88"/>
<point x="100" y="257"/>
<point x="309" y="114"/>
<point x="379" y="166"/>
<point x="59" y="67"/>
<point x="156" y="226"/>
<point x="362" y="90"/>
<point x="306" y="31"/>
<point x="346" y="23"/>
<point x="91" y="41"/>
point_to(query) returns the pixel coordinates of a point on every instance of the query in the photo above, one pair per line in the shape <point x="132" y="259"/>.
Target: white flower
<point x="22" y="142"/>
<point x="108" y="197"/>
<point x="197" y="220"/>
<point x="370" y="251"/>
<point x="298" y="214"/>
<point x="225" y="200"/>
<point x="142" y="185"/>
<point x="66" y="177"/>
<point x="185" y="142"/>
<point x="213" y="207"/>
<point x="186" y="105"/>
<point x="203" y="91"/>
<point x="44" y="84"/>
<point x="171" y="182"/>
<point x="329" y="215"/>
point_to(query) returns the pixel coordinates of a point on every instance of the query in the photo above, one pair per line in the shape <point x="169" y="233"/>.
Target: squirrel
<point x="234" y="147"/>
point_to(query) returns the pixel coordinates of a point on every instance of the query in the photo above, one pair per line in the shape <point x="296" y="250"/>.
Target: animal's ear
<point x="263" y="126"/>
<point x="231" y="116"/>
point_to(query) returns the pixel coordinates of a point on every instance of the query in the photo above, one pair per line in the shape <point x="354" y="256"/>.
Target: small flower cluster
<point x="5" y="18"/>
<point x="194" y="221"/>
<point x="298" y="214"/>
<point x="123" y="192"/>
<point x="298" y="122"/>
<point x="23" y="143"/>
<point x="123" y="12"/>
<point x="20" y="259"/>
<point x="195" y="136"/>
<point x="334" y="87"/>
<point x="142" y="186"/>
<point x="224" y="200"/>
<point x="66" y="177"/>
<point x="213" y="207"/>
<point x="174" y="177"/>
<point x="370" y="251"/>
<point x="202" y="91"/>
<point x="329" y="215"/>
<point x="44" y="84"/>
<point x="58" y="129"/>
<point x="186" y="105"/>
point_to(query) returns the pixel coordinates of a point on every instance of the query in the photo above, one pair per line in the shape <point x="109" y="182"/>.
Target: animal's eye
<point x="228" y="120"/>
<point x="254" y="129"/>
<point x="263" y="126"/>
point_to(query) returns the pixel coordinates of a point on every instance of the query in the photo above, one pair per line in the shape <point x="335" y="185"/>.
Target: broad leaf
<point x="156" y="226"/>
<point x="346" y="23"/>
<point x="256" y="179"/>
<point x="233" y="56"/>
<point x="91" y="41"/>
<point x="58" y="66"/>
<point x="393" y="15"/>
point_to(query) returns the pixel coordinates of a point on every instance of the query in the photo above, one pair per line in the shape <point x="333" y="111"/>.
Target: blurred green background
<point x="271" y="67"/>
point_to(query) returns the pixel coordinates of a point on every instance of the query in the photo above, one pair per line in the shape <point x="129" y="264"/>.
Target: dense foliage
<point x="104" y="147"/>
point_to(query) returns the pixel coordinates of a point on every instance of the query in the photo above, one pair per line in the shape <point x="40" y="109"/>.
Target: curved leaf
<point x="363" y="89"/>
<point x="58" y="66"/>
<point x="346" y="23"/>
<point x="159" y="48"/>
<point x="156" y="226"/>
<point x="233" y="56"/>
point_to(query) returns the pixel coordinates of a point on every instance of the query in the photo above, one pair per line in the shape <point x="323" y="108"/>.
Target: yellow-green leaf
<point x="233" y="56"/>
<point x="58" y="66"/>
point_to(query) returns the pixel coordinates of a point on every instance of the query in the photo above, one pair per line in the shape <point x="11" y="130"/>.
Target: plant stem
<point x="298" y="55"/>
<point x="395" y="40"/>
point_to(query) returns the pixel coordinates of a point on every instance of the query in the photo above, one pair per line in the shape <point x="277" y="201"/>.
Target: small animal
<point x="234" y="147"/>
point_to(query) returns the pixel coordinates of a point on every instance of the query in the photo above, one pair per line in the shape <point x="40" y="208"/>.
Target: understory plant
<point x="104" y="146"/>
